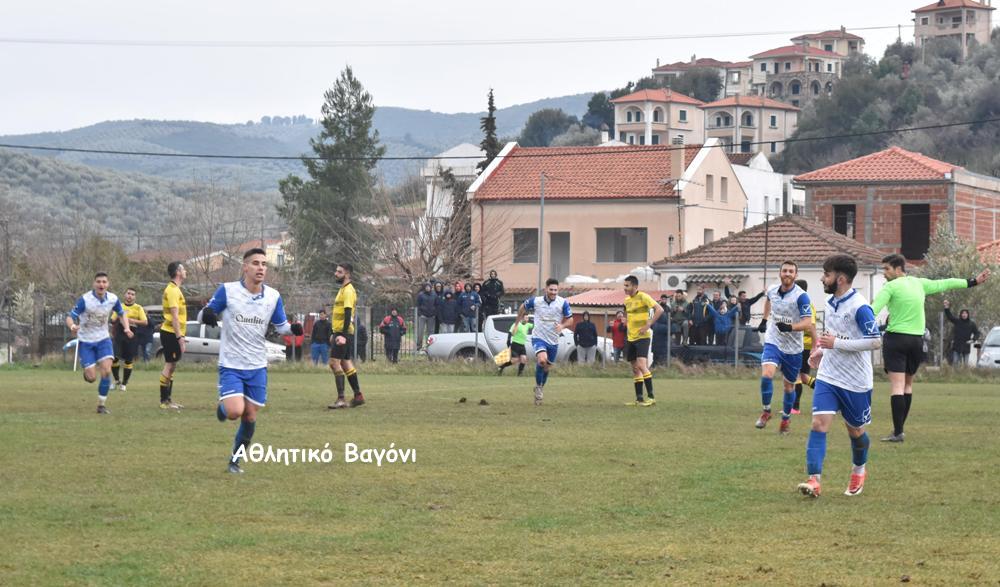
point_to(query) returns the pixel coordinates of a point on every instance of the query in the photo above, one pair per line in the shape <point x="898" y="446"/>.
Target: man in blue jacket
<point x="469" y="303"/>
<point x="448" y="313"/>
<point x="427" y="303"/>
<point x="585" y="338"/>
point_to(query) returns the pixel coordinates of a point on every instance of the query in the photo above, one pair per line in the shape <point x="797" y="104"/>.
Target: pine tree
<point x="490" y="143"/>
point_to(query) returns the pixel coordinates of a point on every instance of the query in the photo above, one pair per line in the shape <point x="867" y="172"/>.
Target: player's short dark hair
<point x="172" y="268"/>
<point x="841" y="264"/>
<point x="792" y="263"/>
<point x="100" y="274"/>
<point x="803" y="284"/>
<point x="254" y="251"/>
<point x="346" y="267"/>
<point x="633" y="280"/>
<point x="742" y="292"/>
<point x="895" y="260"/>
<point x="551" y="281"/>
<point x="131" y="289"/>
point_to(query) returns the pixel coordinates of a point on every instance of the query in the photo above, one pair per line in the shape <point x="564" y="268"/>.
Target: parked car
<point x="989" y="352"/>
<point x="493" y="339"/>
<point x="203" y="344"/>
<point x="750" y="351"/>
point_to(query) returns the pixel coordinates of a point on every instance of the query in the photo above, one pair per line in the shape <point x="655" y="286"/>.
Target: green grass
<point x="579" y="491"/>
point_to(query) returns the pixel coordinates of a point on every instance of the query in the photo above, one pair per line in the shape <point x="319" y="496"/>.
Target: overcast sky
<point x="57" y="87"/>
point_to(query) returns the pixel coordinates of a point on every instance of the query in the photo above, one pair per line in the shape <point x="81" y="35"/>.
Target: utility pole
<point x="541" y="234"/>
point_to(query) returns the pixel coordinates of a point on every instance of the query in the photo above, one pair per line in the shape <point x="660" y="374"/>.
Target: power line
<point x="319" y="44"/>
<point x="563" y="151"/>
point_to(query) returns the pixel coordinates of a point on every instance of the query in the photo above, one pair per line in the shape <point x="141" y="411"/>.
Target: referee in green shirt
<point x="902" y="345"/>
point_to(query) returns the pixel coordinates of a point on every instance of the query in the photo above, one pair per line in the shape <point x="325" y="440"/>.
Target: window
<point x="923" y="20"/>
<point x="628" y="116"/>
<point x="621" y="137"/>
<point x="718" y="121"/>
<point x="774" y="121"/>
<point x="656" y="139"/>
<point x="631" y="139"/>
<point x="915" y="230"/>
<point x="213" y="332"/>
<point x="709" y="235"/>
<point x="788" y="66"/>
<point x="621" y="245"/>
<point x="642" y="139"/>
<point x="656" y="115"/>
<point x="678" y="140"/>
<point x="829" y="67"/>
<point x="682" y="115"/>
<point x="728" y="120"/>
<point x="735" y="77"/>
<point x="638" y="116"/>
<point x="525" y="245"/>
<point x="844" y="219"/>
<point x="745" y="147"/>
<point x="828" y="47"/>
<point x="747" y="119"/>
<point x="796" y="88"/>
<point x="709" y="187"/>
<point x="723" y="189"/>
<point x="774" y="147"/>
<point x="814" y="86"/>
<point x="795" y="103"/>
<point x="763" y="67"/>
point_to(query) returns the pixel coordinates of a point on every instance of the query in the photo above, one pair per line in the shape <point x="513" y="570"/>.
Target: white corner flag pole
<point x="76" y="354"/>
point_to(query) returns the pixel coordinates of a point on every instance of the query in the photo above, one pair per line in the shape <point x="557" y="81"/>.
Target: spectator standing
<point x="963" y="332"/>
<point x="699" y="320"/>
<point x="469" y="304"/>
<point x="661" y="334"/>
<point x="319" y="339"/>
<point x="722" y="322"/>
<point x="585" y="338"/>
<point x="744" y="303"/>
<point x="679" y="324"/>
<point x="491" y="292"/>
<point x="618" y="330"/>
<point x="293" y="343"/>
<point x="448" y="314"/>
<point x="362" y="341"/>
<point x="439" y="293"/>
<point x="427" y="303"/>
<point x="478" y="288"/>
<point x="393" y="329"/>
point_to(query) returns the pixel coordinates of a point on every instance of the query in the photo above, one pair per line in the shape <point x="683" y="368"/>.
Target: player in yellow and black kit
<point x="126" y="348"/>
<point x="172" y="332"/>
<point x="807" y="341"/>
<point x="342" y="346"/>
<point x="637" y="307"/>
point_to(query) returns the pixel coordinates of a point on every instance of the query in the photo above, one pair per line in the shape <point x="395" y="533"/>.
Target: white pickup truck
<point x="493" y="339"/>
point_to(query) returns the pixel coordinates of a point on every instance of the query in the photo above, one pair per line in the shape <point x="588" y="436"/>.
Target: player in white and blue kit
<point x="787" y="314"/>
<point x="844" y="377"/>
<point x="552" y="315"/>
<point x="93" y="339"/>
<point x="246" y="307"/>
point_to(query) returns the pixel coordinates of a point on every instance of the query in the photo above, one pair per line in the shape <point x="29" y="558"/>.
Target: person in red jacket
<point x="618" y="330"/>
<point x="293" y="344"/>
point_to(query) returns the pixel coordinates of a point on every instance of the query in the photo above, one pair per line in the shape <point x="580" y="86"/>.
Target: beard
<point x="830" y="289"/>
<point x="339" y="279"/>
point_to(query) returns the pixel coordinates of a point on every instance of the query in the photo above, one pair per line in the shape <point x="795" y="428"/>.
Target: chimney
<point x="694" y="58"/>
<point x="604" y="132"/>
<point x="677" y="164"/>
<point x="657" y="61"/>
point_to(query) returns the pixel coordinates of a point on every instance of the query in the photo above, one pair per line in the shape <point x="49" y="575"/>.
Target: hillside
<point x="405" y="132"/>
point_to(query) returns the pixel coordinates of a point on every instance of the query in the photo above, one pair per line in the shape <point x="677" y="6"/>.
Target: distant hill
<point x="405" y="132"/>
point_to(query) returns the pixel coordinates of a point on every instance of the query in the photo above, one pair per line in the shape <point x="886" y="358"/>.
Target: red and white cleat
<point x="810" y="487"/>
<point x="857" y="484"/>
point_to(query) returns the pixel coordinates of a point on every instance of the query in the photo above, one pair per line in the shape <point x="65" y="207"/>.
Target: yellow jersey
<point x="133" y="312"/>
<point x="174" y="298"/>
<point x="807" y="341"/>
<point x="637" y="309"/>
<point x="347" y="297"/>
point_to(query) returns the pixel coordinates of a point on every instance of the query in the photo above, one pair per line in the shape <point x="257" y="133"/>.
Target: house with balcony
<point x="659" y="117"/>
<point x="749" y="124"/>
<point x="796" y="74"/>
<point x="837" y="41"/>
<point x="735" y="76"/>
<point x="607" y="210"/>
<point x="966" y="21"/>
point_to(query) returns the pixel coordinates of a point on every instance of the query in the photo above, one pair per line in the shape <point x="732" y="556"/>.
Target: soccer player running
<point x="92" y="311"/>
<point x="902" y="347"/>
<point x="637" y="307"/>
<point x="787" y="314"/>
<point x="247" y="306"/>
<point x="844" y="373"/>
<point x="126" y="347"/>
<point x="807" y="345"/>
<point x="552" y="315"/>
<point x="342" y="350"/>
<point x="517" y="340"/>
<point x="172" y="332"/>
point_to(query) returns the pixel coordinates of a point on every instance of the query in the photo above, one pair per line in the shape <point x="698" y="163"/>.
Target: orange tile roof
<point x="749" y="102"/>
<point x="831" y="34"/>
<point x="740" y="158"/>
<point x="609" y="297"/>
<point x="947" y="4"/>
<point x="700" y="62"/>
<point x="789" y="237"/>
<point x="892" y="164"/>
<point x="585" y="173"/>
<point x="797" y="50"/>
<point x="657" y="95"/>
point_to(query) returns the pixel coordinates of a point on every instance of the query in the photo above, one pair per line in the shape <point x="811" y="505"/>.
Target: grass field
<point x="581" y="490"/>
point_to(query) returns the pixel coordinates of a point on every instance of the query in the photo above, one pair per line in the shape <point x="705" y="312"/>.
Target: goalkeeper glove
<point x="783" y="326"/>
<point x="208" y="317"/>
<point x="763" y="326"/>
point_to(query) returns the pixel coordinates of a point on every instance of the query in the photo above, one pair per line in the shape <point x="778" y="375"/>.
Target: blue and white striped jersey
<point x="548" y="314"/>
<point x="788" y="307"/>
<point x="244" y="324"/>
<point x="849" y="317"/>
<point x="93" y="313"/>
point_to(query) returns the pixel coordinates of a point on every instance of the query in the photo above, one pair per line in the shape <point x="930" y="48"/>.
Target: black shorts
<point x="126" y="348"/>
<point x="636" y="349"/>
<point x="804" y="369"/>
<point x="517" y="349"/>
<point x="902" y="353"/>
<point x="171" y="347"/>
<point x="344" y="352"/>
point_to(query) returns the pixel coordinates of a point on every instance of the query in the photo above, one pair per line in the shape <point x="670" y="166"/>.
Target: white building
<point x="461" y="160"/>
<point x="769" y="194"/>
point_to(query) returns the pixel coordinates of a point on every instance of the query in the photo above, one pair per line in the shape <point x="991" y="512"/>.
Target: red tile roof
<point x="948" y="4"/>
<point x="749" y="102"/>
<point x="585" y="173"/>
<point x="797" y="50"/>
<point x="609" y="297"/>
<point x="700" y="62"/>
<point x="740" y="158"/>
<point x="657" y="95"/>
<point x="832" y="34"/>
<point x="892" y="164"/>
<point x="789" y="237"/>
